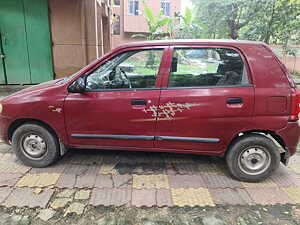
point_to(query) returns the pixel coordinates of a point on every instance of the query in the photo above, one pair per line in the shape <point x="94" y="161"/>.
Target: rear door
<point x="207" y="98"/>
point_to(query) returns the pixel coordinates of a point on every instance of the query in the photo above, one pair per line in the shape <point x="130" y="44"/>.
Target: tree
<point x="226" y="18"/>
<point x="271" y="21"/>
<point x="278" y="22"/>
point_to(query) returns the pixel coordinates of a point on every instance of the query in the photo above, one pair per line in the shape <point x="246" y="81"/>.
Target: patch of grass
<point x="296" y="74"/>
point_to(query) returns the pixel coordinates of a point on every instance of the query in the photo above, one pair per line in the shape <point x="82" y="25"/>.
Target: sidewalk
<point x="113" y="178"/>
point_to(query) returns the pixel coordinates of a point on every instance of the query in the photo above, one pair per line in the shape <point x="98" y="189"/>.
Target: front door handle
<point x="138" y="102"/>
<point x="234" y="100"/>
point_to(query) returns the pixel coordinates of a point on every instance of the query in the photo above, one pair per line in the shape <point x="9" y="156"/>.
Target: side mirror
<point x="78" y="86"/>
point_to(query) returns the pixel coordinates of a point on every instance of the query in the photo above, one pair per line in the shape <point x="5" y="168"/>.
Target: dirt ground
<point x="241" y="215"/>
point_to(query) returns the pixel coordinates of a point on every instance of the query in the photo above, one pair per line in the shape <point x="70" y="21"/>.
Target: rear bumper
<point x="4" y="124"/>
<point x="290" y="135"/>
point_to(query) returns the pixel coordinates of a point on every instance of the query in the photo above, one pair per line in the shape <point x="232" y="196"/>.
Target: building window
<point x="165" y="7"/>
<point x="116" y="2"/>
<point x="116" y="25"/>
<point x="134" y="7"/>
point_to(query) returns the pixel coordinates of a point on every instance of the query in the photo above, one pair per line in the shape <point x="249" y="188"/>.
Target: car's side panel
<point x="272" y="88"/>
<point x="45" y="105"/>
<point x="109" y="118"/>
<point x="272" y="94"/>
<point x="203" y="113"/>
<point x="106" y="118"/>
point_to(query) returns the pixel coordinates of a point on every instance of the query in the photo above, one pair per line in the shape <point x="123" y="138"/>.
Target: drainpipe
<point x="98" y="2"/>
<point x="96" y="28"/>
<point x="83" y="33"/>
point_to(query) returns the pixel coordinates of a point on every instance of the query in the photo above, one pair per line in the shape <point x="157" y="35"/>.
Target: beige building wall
<point x="76" y="39"/>
<point x="291" y="62"/>
<point x="130" y="24"/>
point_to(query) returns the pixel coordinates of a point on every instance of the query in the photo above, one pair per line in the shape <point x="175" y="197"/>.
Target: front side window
<point x="132" y="69"/>
<point x="196" y="67"/>
<point x="165" y="7"/>
<point x="133" y="7"/>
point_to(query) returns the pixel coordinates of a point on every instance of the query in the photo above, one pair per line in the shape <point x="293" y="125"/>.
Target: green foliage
<point x="185" y="27"/>
<point x="188" y="17"/>
<point x="225" y="18"/>
<point x="156" y="24"/>
<point x="278" y="22"/>
<point x="271" y="21"/>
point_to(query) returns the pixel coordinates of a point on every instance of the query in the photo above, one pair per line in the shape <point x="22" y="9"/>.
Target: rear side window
<point x="196" y="67"/>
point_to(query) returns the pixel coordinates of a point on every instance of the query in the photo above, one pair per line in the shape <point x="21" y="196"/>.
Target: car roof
<point x="190" y="42"/>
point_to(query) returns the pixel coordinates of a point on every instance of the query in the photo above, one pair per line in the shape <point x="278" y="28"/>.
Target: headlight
<point x="1" y="108"/>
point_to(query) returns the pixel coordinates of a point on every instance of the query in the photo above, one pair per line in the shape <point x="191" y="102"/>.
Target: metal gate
<point x="25" y="46"/>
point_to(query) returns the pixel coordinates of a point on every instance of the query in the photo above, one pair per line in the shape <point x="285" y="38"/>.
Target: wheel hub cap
<point x="34" y="146"/>
<point x="254" y="161"/>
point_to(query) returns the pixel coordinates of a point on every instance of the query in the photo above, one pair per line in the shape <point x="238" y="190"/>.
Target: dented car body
<point x="158" y="96"/>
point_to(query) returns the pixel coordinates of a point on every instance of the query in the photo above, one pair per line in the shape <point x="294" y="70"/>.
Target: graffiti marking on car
<point x="167" y="111"/>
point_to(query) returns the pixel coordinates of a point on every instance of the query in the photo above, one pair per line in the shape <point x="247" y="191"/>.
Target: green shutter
<point x="14" y="42"/>
<point x="38" y="40"/>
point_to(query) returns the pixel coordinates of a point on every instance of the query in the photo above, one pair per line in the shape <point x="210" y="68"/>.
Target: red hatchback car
<point x="212" y="97"/>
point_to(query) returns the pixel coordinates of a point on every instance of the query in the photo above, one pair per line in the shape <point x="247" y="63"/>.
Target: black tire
<point x="237" y="158"/>
<point x="46" y="139"/>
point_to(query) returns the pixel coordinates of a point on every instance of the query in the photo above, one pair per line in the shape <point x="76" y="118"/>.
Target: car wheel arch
<point x="19" y="122"/>
<point x="267" y="133"/>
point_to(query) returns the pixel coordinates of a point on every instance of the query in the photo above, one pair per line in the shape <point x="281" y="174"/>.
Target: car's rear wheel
<point x="252" y="158"/>
<point x="34" y="145"/>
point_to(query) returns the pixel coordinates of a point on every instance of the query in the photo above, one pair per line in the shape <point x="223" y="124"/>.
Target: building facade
<point x="128" y="17"/>
<point x="42" y="40"/>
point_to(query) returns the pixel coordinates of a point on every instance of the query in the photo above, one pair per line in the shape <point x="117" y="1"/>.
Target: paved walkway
<point x="114" y="178"/>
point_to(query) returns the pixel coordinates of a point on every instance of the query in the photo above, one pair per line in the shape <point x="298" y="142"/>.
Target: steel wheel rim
<point x="254" y="160"/>
<point x="34" y="146"/>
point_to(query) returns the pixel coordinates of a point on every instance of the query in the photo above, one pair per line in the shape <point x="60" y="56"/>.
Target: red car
<point x="235" y="99"/>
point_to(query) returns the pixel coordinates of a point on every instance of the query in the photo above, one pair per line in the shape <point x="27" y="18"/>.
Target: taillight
<point x="295" y="105"/>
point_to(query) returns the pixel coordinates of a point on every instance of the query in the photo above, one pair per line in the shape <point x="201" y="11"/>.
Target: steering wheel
<point x="118" y="78"/>
<point x="125" y="75"/>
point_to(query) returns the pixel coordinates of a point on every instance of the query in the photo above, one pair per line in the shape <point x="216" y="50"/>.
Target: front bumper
<point x="290" y="135"/>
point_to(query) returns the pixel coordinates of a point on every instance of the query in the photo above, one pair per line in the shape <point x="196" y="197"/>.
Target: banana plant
<point x="186" y="28"/>
<point x="156" y="24"/>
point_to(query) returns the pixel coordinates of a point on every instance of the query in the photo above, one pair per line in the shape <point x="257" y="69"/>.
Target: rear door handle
<point x="234" y="100"/>
<point x="138" y="102"/>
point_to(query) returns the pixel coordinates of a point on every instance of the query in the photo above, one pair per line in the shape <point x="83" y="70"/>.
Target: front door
<point x="207" y="99"/>
<point x="25" y="46"/>
<point x="113" y="109"/>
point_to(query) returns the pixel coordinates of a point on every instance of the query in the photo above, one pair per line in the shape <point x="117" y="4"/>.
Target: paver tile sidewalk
<point x="115" y="178"/>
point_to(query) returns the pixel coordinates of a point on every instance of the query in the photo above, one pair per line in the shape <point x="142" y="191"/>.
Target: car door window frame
<point x="159" y="74"/>
<point x="165" y="83"/>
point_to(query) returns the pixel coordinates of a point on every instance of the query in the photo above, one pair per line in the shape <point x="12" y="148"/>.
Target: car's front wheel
<point x="253" y="158"/>
<point x="34" y="145"/>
